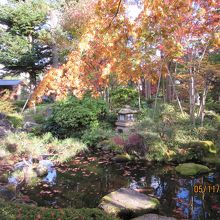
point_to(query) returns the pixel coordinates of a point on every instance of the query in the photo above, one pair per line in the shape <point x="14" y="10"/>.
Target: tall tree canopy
<point x="115" y="46"/>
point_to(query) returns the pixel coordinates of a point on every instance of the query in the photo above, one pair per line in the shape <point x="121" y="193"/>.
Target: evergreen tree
<point x="20" y="47"/>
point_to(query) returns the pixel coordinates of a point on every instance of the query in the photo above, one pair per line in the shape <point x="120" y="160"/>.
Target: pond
<point x="85" y="180"/>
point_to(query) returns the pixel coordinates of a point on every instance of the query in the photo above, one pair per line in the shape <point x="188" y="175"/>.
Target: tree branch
<point x="115" y="15"/>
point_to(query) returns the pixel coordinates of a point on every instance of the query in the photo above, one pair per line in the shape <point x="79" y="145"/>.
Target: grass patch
<point x="30" y="145"/>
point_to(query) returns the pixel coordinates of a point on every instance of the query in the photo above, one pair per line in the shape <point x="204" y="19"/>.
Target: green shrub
<point x="40" y="114"/>
<point x="124" y="96"/>
<point x="72" y="116"/>
<point x="157" y="152"/>
<point x="19" y="104"/>
<point x="16" y="120"/>
<point x="110" y="145"/>
<point x="10" y="211"/>
<point x="39" y="118"/>
<point x="110" y="119"/>
<point x="93" y="136"/>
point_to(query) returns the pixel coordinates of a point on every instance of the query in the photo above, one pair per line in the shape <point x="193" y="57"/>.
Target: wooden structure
<point x="126" y="119"/>
<point x="14" y="86"/>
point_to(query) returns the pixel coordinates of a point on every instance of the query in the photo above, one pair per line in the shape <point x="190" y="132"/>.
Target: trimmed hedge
<point x="11" y="211"/>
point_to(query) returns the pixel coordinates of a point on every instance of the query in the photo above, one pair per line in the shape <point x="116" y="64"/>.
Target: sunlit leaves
<point x="111" y="43"/>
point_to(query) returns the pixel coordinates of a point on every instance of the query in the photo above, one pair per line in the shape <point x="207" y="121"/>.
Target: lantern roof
<point x="127" y="110"/>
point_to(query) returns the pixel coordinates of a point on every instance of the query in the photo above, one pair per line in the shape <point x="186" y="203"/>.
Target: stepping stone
<point x="128" y="202"/>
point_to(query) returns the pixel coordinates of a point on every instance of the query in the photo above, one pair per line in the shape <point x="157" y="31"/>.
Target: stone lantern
<point x="126" y="119"/>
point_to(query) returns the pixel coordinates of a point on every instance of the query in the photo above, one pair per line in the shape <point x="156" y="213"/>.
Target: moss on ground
<point x="207" y="146"/>
<point x="11" y="211"/>
<point x="123" y="157"/>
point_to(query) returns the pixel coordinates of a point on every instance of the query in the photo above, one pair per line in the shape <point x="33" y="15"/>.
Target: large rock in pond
<point x="128" y="202"/>
<point x="190" y="169"/>
<point x="153" y="217"/>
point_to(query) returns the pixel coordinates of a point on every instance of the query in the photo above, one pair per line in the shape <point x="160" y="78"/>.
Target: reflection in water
<point x="86" y="180"/>
<point x="51" y="176"/>
<point x="13" y="180"/>
<point x="183" y="200"/>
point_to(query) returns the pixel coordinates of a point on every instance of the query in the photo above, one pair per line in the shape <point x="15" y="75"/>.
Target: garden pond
<point x="83" y="181"/>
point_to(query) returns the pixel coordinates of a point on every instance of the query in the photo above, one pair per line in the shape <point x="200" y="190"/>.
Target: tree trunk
<point x="32" y="75"/>
<point x="158" y="88"/>
<point x="169" y="85"/>
<point x="33" y="80"/>
<point x="168" y="89"/>
<point x="192" y="96"/>
<point x="164" y="90"/>
<point x="147" y="89"/>
<point x="202" y="104"/>
<point x="139" y="96"/>
<point x="174" y="89"/>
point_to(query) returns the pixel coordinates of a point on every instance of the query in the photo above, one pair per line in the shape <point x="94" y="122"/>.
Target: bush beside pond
<point x="10" y="211"/>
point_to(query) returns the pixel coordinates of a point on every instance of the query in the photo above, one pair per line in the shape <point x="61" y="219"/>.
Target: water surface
<point x="85" y="180"/>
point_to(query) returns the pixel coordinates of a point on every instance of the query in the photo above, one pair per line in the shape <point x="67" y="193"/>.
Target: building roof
<point x="9" y="82"/>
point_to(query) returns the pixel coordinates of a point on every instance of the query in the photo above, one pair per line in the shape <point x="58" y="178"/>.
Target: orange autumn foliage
<point x="113" y="45"/>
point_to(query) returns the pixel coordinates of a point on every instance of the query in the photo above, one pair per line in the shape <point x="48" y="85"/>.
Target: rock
<point x="12" y="148"/>
<point x="41" y="170"/>
<point x="4" y="178"/>
<point x="28" y="126"/>
<point x="123" y="158"/>
<point x="128" y="202"/>
<point x="30" y="176"/>
<point x="22" y="164"/>
<point x="189" y="169"/>
<point x="207" y="146"/>
<point x="153" y="217"/>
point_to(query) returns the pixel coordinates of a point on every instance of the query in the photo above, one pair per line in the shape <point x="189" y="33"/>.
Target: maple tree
<point x="145" y="49"/>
